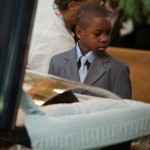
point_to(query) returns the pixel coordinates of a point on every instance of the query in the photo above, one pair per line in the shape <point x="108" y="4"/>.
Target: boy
<point x="93" y="28"/>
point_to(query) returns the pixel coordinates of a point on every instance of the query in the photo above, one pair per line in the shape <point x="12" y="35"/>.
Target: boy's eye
<point x="97" y="34"/>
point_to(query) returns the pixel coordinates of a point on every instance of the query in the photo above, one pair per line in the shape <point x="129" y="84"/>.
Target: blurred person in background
<point x="123" y="29"/>
<point x="131" y="23"/>
<point x="52" y="31"/>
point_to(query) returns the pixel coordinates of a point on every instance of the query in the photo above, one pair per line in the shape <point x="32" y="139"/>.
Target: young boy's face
<point x="95" y="36"/>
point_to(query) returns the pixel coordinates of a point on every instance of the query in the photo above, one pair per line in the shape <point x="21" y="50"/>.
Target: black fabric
<point x="10" y="138"/>
<point x="65" y="97"/>
<point x="75" y="37"/>
<point x="87" y="64"/>
<point x="126" y="41"/>
<point x="22" y="137"/>
<point x="142" y="37"/>
<point x="121" y="146"/>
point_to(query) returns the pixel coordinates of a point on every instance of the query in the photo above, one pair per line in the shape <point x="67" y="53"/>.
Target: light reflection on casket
<point x="42" y="87"/>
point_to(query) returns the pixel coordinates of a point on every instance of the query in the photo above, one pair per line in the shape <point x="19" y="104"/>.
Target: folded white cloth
<point x="89" y="124"/>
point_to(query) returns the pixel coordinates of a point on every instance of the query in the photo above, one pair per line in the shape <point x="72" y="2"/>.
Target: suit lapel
<point x="71" y="66"/>
<point x="97" y="69"/>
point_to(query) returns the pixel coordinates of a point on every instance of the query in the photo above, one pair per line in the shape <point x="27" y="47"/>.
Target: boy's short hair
<point x="86" y="12"/>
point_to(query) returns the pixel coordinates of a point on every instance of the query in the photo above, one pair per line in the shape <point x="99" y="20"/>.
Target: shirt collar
<point x="90" y="55"/>
<point x="78" y="51"/>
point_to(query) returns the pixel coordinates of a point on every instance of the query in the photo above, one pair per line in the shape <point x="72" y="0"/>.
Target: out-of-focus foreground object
<point x="15" y="28"/>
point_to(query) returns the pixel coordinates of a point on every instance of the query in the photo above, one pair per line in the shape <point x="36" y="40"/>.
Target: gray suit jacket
<point x="105" y="72"/>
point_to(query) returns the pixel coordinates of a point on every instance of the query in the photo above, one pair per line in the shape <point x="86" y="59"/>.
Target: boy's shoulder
<point x="61" y="57"/>
<point x="62" y="54"/>
<point x="116" y="62"/>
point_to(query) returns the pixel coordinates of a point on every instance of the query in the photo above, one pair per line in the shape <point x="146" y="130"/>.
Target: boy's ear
<point x="79" y="32"/>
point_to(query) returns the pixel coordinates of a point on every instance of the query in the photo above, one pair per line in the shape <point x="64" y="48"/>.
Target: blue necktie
<point x="83" y="68"/>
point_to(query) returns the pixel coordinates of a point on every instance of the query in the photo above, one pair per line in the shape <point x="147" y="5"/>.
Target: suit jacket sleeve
<point x="122" y="84"/>
<point x="51" y="68"/>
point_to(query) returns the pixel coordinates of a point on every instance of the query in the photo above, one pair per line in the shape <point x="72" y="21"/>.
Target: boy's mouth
<point x="102" y="49"/>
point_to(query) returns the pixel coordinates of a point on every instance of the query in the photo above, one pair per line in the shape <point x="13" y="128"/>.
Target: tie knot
<point x="83" y="60"/>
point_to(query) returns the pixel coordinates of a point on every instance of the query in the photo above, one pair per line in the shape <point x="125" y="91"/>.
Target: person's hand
<point x="20" y="118"/>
